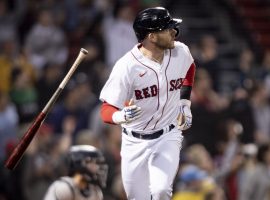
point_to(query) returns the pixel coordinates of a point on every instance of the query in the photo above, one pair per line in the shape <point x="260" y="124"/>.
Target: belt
<point x="151" y="136"/>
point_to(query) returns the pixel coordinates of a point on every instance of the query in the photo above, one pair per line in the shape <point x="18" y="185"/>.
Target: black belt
<point x="151" y="136"/>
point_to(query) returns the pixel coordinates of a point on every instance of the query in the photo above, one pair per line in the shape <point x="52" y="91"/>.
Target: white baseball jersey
<point x="149" y="166"/>
<point x="154" y="87"/>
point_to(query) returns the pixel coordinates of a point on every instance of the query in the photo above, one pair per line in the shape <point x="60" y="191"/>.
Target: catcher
<point x="87" y="176"/>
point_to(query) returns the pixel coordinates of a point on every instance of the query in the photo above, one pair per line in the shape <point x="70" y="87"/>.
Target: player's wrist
<point x="118" y="117"/>
<point x="185" y="102"/>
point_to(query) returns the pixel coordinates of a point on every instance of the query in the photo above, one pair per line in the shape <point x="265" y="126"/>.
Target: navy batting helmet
<point x="153" y="20"/>
<point x="82" y="157"/>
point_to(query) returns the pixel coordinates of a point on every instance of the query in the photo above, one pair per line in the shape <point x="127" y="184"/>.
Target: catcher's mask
<point x="90" y="162"/>
<point x="152" y="20"/>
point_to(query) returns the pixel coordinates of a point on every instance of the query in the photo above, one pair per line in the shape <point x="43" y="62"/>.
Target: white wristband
<point x="185" y="102"/>
<point x="118" y="117"/>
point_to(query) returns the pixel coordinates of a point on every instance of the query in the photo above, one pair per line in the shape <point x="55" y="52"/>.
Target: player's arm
<point x="113" y="115"/>
<point x="185" y="117"/>
<point x="188" y="83"/>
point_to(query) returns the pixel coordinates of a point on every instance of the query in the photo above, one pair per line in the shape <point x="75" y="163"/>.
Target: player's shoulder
<point x="124" y="62"/>
<point x="180" y="49"/>
<point x="64" y="186"/>
<point x="180" y="46"/>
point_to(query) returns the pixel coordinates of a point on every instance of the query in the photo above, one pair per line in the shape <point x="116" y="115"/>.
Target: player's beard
<point x="164" y="43"/>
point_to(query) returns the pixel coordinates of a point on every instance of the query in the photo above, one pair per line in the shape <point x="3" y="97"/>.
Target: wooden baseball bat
<point x="19" y="150"/>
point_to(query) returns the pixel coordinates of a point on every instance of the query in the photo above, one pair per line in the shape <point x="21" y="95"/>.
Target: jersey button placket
<point x="162" y="92"/>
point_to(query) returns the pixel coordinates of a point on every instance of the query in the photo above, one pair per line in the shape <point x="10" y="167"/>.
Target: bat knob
<point x="84" y="51"/>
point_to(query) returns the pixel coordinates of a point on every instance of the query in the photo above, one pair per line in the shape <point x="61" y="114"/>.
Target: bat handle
<point x="17" y="153"/>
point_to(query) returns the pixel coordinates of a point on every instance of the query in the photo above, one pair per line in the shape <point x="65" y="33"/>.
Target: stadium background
<point x="227" y="150"/>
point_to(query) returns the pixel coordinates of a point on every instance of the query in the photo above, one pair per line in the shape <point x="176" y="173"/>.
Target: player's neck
<point x="152" y="53"/>
<point x="79" y="181"/>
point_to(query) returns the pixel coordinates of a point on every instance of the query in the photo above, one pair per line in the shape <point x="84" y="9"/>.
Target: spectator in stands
<point x="93" y="66"/>
<point x="24" y="96"/>
<point x="190" y="183"/>
<point x="229" y="160"/>
<point x="86" y="136"/>
<point x="118" y="32"/>
<point x="6" y="67"/>
<point x="9" y="121"/>
<point x="258" y="186"/>
<point x="198" y="155"/>
<point x="84" y="87"/>
<point x="247" y="171"/>
<point x="266" y="71"/>
<point x="48" y="82"/>
<point x="71" y="106"/>
<point x="12" y="59"/>
<point x="46" y="42"/>
<point x="208" y="106"/>
<point x="248" y="72"/>
<point x="205" y="95"/>
<point x="208" y="58"/>
<point x="11" y="181"/>
<point x="194" y="183"/>
<point x="8" y="23"/>
<point x="261" y="112"/>
<point x="240" y="110"/>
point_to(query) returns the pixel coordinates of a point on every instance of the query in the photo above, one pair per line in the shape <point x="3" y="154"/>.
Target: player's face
<point x="165" y="39"/>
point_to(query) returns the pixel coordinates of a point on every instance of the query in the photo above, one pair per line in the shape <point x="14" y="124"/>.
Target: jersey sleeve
<point x="185" y="52"/>
<point x="186" y="88"/>
<point x="190" y="69"/>
<point x="115" y="90"/>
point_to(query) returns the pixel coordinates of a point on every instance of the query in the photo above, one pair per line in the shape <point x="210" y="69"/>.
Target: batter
<point x="148" y="94"/>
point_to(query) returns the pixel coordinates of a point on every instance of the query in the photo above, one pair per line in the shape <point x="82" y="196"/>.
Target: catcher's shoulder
<point x="63" y="187"/>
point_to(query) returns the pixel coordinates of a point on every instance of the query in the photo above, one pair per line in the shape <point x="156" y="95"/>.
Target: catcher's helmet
<point x="79" y="159"/>
<point x="153" y="20"/>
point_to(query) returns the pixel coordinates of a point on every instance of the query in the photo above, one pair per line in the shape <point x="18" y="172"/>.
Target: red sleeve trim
<point x="106" y="112"/>
<point x="189" y="80"/>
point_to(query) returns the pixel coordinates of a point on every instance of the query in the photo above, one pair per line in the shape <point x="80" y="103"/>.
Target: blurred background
<point x="226" y="153"/>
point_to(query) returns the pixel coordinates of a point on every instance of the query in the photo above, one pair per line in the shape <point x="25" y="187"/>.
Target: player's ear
<point x="152" y="37"/>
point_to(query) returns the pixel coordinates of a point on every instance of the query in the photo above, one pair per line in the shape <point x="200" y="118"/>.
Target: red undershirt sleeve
<point x="106" y="112"/>
<point x="189" y="80"/>
<point x="186" y="88"/>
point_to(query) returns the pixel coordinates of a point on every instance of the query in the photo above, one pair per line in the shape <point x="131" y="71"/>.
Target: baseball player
<point x="87" y="175"/>
<point x="148" y="93"/>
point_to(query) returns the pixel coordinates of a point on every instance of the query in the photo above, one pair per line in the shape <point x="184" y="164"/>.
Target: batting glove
<point x="185" y="116"/>
<point x="128" y="114"/>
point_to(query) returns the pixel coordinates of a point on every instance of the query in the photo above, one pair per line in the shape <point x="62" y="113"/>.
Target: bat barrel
<point x="19" y="150"/>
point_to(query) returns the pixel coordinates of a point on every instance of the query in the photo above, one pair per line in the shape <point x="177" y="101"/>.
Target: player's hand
<point x="127" y="114"/>
<point x="185" y="117"/>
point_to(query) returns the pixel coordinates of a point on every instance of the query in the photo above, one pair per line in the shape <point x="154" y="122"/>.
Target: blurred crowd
<point x="226" y="153"/>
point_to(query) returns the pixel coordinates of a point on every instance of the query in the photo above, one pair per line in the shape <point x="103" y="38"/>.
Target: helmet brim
<point x="174" y="23"/>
